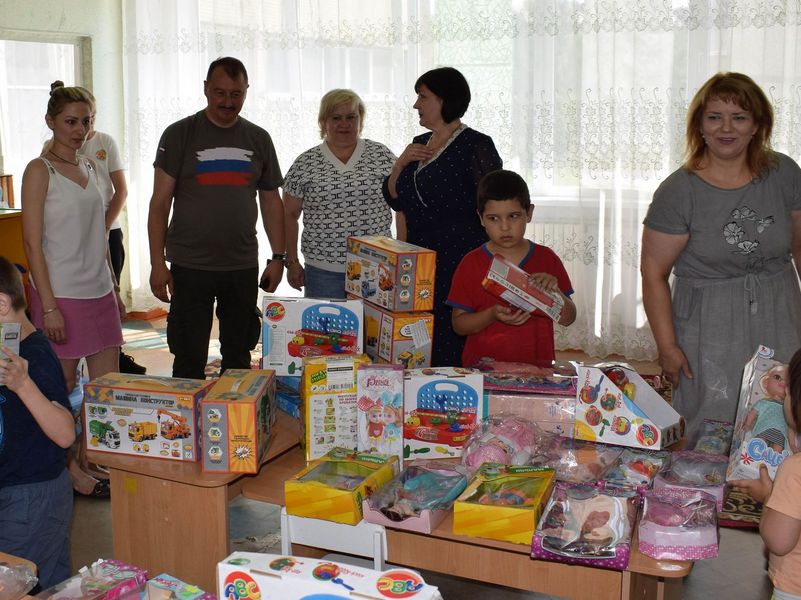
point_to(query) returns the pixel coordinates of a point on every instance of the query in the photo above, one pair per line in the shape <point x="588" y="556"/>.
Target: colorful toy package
<point x="296" y="328"/>
<point x="419" y="498"/>
<point x="678" y="525"/>
<point x="761" y="435"/>
<point x="503" y="376"/>
<point x="695" y="471"/>
<point x="637" y="468"/>
<point x="396" y="275"/>
<point x="503" y="502"/>
<point x="328" y="403"/>
<point x="509" y="282"/>
<point x="251" y="576"/>
<point x="334" y="486"/>
<point x="237" y="418"/>
<point x="713" y="437"/>
<point x="103" y="580"/>
<point x="380" y="404"/>
<point x="167" y="587"/>
<point x="553" y="413"/>
<point x="586" y="525"/>
<point x="442" y="406"/>
<point x="144" y="415"/>
<point x="501" y="438"/>
<point x="615" y="405"/>
<point x="398" y="337"/>
<point x="577" y="461"/>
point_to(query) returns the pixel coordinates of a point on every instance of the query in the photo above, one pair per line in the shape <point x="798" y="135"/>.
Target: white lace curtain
<point x="586" y="99"/>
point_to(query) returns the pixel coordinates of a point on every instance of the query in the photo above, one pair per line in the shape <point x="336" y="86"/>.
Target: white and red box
<point x="298" y="328"/>
<point x="509" y="282"/>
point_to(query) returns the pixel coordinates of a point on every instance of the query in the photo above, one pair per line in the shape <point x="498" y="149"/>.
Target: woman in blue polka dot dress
<point x="432" y="187"/>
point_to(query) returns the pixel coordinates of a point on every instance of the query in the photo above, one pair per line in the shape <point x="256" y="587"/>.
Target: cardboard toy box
<point x="390" y="273"/>
<point x="333" y="487"/>
<point x="380" y="404"/>
<point x="296" y="328"/>
<point x="328" y="403"/>
<point x="616" y="406"/>
<point x="237" y="417"/>
<point x="167" y="587"/>
<point x="760" y="434"/>
<point x="509" y="282"/>
<point x="503" y="502"/>
<point x="398" y="337"/>
<point x="442" y="406"/>
<point x="144" y="415"/>
<point x="250" y="576"/>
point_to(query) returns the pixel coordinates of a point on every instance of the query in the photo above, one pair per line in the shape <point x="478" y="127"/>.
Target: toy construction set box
<point x="237" y="417"/>
<point x="144" y="415"/>
<point x="251" y="576"/>
<point x="296" y="328"/>
<point x="390" y="273"/>
<point x="334" y="486"/>
<point x="328" y="403"/>
<point x="616" y="406"/>
<point x="761" y="435"/>
<point x="503" y="502"/>
<point x="509" y="282"/>
<point x="442" y="406"/>
<point x="398" y="337"/>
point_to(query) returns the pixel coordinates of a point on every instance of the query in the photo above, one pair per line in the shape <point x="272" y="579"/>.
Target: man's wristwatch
<point x="278" y="256"/>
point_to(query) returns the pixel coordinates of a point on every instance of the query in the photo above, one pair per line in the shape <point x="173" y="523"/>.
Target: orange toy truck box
<point x="237" y="417"/>
<point x="398" y="337"/>
<point x="143" y="415"/>
<point x="390" y="273"/>
<point x="509" y="282"/>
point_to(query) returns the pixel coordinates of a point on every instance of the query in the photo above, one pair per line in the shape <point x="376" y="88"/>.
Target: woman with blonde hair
<point x="337" y="187"/>
<point x="727" y="225"/>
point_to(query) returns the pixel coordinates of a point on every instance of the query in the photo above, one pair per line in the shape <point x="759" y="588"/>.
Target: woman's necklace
<point x="61" y="158"/>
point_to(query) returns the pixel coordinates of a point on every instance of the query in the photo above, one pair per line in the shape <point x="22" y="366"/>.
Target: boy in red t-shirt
<point x="493" y="328"/>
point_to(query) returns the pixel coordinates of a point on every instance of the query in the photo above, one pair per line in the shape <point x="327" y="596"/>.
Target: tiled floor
<point x="737" y="574"/>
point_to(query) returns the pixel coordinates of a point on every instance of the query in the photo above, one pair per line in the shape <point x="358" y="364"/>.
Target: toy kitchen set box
<point x="237" y="417"/>
<point x="298" y="328"/>
<point x="442" y="406"/>
<point x="144" y="415"/>
<point x="390" y="273"/>
<point x="616" y="406"/>
<point x="398" y="337"/>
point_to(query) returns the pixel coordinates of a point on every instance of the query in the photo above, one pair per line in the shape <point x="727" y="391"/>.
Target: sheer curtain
<point x="585" y="99"/>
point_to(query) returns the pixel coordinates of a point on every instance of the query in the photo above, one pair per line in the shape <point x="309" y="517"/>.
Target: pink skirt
<point x="92" y="324"/>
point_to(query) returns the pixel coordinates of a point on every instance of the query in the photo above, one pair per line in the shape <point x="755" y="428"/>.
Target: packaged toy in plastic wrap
<point x="577" y="461"/>
<point x="103" y="580"/>
<point x="695" y="471"/>
<point x="419" y="498"/>
<point x="761" y="435"/>
<point x="501" y="438"/>
<point x="636" y="468"/>
<point x="713" y="437"/>
<point x="678" y="525"/>
<point x="380" y="409"/>
<point x="585" y="525"/>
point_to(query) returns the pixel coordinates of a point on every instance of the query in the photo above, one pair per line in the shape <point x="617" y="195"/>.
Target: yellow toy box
<point x="333" y="487"/>
<point x="390" y="273"/>
<point x="503" y="502"/>
<point x="237" y="417"/>
<point x="615" y="405"/>
<point x="328" y="403"/>
<point x="296" y="328"/>
<point x="398" y="337"/>
<point x="144" y="415"/>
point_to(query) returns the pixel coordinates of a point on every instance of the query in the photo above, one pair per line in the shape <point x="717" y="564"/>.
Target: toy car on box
<point x="391" y="273"/>
<point x="296" y="328"/>
<point x="509" y="282"/>
<point x="398" y="337"/>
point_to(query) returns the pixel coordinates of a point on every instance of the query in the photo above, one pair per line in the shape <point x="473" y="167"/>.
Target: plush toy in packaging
<point x="761" y="435"/>
<point x="380" y="405"/>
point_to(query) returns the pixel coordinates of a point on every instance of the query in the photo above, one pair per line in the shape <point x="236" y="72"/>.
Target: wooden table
<point x="492" y="561"/>
<point x="169" y="516"/>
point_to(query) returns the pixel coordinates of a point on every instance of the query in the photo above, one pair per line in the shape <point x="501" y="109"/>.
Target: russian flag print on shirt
<point x="224" y="166"/>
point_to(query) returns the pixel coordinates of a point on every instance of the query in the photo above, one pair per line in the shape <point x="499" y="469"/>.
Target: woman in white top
<point x="74" y="295"/>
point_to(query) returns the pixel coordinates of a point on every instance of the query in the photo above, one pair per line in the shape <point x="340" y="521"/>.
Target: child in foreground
<point x="36" y="428"/>
<point x="780" y="525"/>
<point x="493" y="328"/>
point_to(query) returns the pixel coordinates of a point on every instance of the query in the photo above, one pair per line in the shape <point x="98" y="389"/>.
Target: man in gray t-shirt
<point x="208" y="170"/>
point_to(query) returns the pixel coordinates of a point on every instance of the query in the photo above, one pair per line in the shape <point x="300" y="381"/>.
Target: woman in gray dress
<point x="727" y="224"/>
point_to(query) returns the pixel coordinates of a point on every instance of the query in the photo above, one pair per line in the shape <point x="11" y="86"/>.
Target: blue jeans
<point x="35" y="524"/>
<point x="320" y="283"/>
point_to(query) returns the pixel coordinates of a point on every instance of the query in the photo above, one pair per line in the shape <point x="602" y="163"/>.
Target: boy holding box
<point x="36" y="428"/>
<point x="493" y="328"/>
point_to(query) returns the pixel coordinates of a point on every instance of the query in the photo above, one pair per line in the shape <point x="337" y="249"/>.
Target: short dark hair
<point x="11" y="284"/>
<point x="794" y="376"/>
<point x="502" y="185"/>
<point x="450" y="86"/>
<point x="233" y="67"/>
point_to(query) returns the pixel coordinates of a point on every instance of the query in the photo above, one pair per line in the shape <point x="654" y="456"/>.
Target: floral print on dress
<point x="736" y="233"/>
